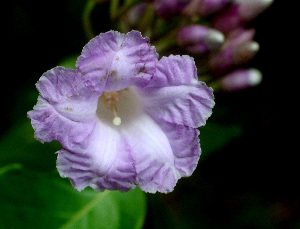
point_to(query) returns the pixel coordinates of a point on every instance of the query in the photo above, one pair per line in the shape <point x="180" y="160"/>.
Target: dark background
<point x="259" y="166"/>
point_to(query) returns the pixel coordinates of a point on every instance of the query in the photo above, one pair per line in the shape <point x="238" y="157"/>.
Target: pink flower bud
<point x="200" y="39"/>
<point x="169" y="8"/>
<point x="239" y="48"/>
<point x="205" y="7"/>
<point x="251" y="9"/>
<point x="241" y="79"/>
<point x="136" y="13"/>
<point x="240" y="13"/>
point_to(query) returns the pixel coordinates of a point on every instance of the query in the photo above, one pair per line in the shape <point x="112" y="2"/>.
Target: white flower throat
<point x="118" y="107"/>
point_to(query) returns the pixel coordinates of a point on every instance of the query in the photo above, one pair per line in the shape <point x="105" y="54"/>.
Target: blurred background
<point x="247" y="179"/>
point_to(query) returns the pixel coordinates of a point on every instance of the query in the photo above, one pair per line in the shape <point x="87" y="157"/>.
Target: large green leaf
<point x="214" y="136"/>
<point x="19" y="146"/>
<point x="41" y="200"/>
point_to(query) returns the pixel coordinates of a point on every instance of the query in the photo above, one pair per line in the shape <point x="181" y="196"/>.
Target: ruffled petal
<point x="188" y="105"/>
<point x="138" y="154"/>
<point x="107" y="162"/>
<point x="174" y="71"/>
<point x="152" y="154"/>
<point x="175" y="95"/>
<point x="184" y="142"/>
<point x="115" y="61"/>
<point x="65" y="110"/>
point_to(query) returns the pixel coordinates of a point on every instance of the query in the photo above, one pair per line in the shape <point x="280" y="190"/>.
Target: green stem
<point x="117" y="12"/>
<point x="166" y="42"/>
<point x="86" y="18"/>
<point x="215" y="85"/>
<point x="113" y="9"/>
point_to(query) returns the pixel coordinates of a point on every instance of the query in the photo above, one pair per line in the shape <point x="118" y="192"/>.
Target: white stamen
<point x="117" y="121"/>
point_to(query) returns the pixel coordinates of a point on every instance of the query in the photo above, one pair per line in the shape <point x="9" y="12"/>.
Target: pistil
<point x="110" y="100"/>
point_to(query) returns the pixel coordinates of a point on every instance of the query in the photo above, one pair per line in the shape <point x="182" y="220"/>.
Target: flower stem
<point x="166" y="42"/>
<point x="116" y="12"/>
<point x="113" y="9"/>
<point x="86" y="19"/>
<point x="215" y="85"/>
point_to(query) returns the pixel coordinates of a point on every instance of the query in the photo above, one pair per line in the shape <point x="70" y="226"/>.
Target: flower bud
<point x="136" y="13"/>
<point x="251" y="9"/>
<point x="199" y="39"/>
<point x="239" y="36"/>
<point x="205" y="7"/>
<point x="245" y="52"/>
<point x="169" y="8"/>
<point x="239" y="48"/>
<point x="241" y="79"/>
<point x="240" y="13"/>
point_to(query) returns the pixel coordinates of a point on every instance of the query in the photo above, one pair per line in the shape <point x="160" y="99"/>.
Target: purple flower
<point x="123" y="118"/>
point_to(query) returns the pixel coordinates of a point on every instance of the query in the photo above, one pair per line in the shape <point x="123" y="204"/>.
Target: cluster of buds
<point x="214" y="30"/>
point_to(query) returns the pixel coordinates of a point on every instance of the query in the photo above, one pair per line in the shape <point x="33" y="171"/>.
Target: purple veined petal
<point x="184" y="142"/>
<point x="106" y="164"/>
<point x="115" y="61"/>
<point x="153" y="155"/>
<point x="141" y="151"/>
<point x="137" y="152"/>
<point x="64" y="89"/>
<point x="188" y="105"/>
<point x="174" y="71"/>
<point x="177" y="97"/>
<point x="65" y="110"/>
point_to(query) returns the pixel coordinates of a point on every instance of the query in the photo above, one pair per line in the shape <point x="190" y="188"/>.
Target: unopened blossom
<point x="169" y="8"/>
<point x="136" y="13"/>
<point x="239" y="14"/>
<point x="199" y="39"/>
<point x="239" y="48"/>
<point x="123" y="117"/>
<point x="241" y="79"/>
<point x="205" y="7"/>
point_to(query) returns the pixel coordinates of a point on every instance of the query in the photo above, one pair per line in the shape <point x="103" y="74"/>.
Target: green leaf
<point x="19" y="146"/>
<point x="214" y="136"/>
<point x="39" y="200"/>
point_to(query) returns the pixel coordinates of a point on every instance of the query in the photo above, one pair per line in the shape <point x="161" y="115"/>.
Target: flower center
<point x="117" y="108"/>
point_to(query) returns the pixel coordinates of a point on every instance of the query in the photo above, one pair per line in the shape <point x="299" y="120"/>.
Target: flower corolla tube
<point x="123" y="117"/>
